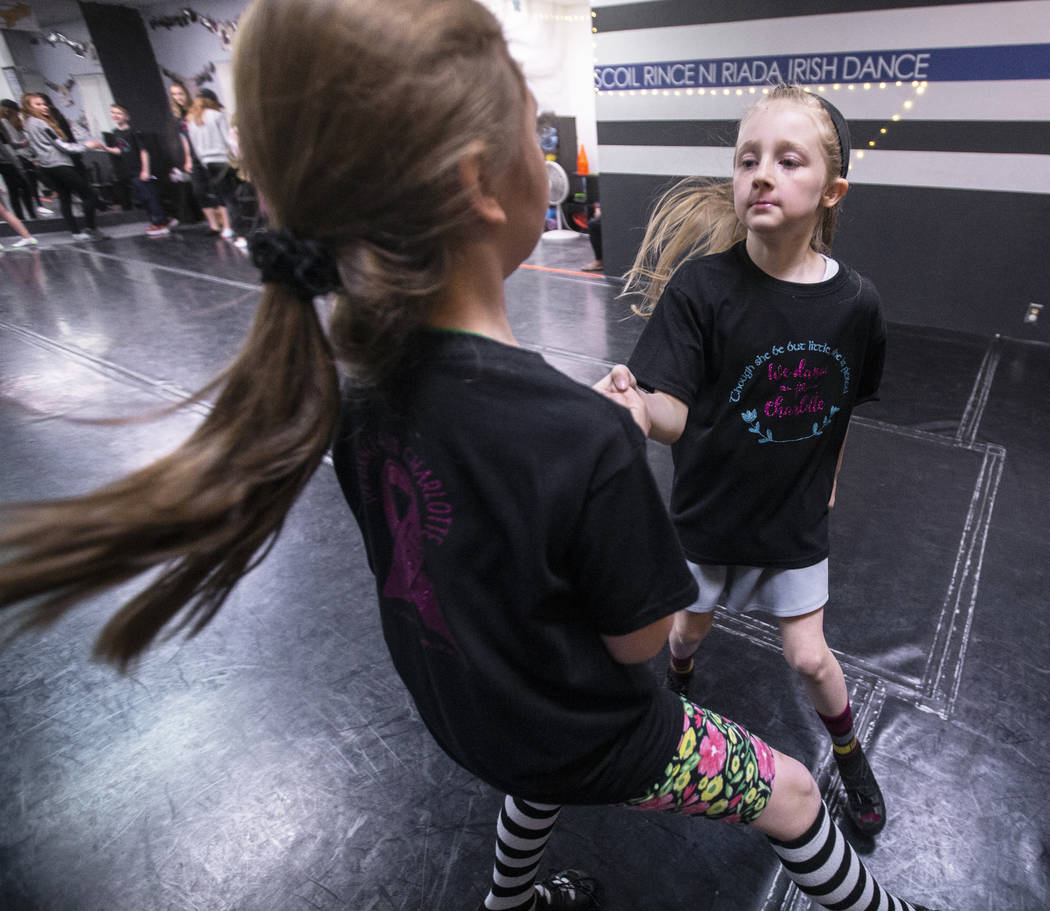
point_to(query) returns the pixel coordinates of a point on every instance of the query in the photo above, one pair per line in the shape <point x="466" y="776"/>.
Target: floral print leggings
<point x="720" y="771"/>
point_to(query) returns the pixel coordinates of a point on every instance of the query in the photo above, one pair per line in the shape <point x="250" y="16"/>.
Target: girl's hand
<point x="95" y="144"/>
<point x="621" y="386"/>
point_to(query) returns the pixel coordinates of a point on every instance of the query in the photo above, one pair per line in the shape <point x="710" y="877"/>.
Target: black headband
<point x="841" y="130"/>
<point x="302" y="265"/>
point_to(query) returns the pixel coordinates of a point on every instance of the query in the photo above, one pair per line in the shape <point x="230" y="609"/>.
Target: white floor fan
<point x="557" y="193"/>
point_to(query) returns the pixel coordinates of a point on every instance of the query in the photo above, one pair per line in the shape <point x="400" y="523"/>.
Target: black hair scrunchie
<point x="302" y="265"/>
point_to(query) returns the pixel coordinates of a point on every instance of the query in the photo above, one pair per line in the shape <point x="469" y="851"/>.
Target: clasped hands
<point x="620" y="385"/>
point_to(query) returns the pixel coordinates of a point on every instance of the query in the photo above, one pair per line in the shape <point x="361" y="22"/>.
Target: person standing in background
<point x="134" y="175"/>
<point x="212" y="144"/>
<point x="54" y="150"/>
<point x="78" y="161"/>
<point x="17" y="188"/>
<point x="177" y="144"/>
<point x="14" y="130"/>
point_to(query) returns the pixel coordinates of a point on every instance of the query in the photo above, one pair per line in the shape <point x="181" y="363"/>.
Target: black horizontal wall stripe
<point x="949" y="258"/>
<point x="1001" y="137"/>
<point x="691" y="12"/>
<point x="667" y="132"/>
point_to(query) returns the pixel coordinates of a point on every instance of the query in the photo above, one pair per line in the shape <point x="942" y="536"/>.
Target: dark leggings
<point x="594" y="231"/>
<point x="29" y="174"/>
<point x="18" y="191"/>
<point x="223" y="182"/>
<point x="143" y="192"/>
<point x="67" y="180"/>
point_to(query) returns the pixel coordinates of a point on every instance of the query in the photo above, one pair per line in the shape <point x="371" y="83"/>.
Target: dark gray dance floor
<point x="275" y="762"/>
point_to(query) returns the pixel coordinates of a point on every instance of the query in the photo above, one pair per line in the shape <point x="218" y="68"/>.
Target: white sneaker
<point x="40" y="210"/>
<point x="26" y="242"/>
<point x="227" y="233"/>
<point x="81" y="235"/>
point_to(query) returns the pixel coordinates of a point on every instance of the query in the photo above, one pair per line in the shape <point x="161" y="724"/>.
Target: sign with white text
<point x="944" y="64"/>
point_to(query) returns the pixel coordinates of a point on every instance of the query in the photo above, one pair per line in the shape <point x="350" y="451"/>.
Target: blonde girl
<point x="506" y="602"/>
<point x="758" y="347"/>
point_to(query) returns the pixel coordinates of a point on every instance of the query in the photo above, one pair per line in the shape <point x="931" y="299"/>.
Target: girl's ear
<point x="481" y="199"/>
<point x="834" y="192"/>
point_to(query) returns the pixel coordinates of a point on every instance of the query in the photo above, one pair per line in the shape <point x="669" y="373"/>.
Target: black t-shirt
<point x="511" y="519"/>
<point x="129" y="165"/>
<point x="770" y="371"/>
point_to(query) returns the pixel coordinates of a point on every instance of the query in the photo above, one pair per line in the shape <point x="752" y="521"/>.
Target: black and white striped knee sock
<point x="827" y="869"/>
<point x="521" y="835"/>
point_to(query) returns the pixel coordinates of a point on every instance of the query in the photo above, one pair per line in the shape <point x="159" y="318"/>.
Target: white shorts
<point x="780" y="592"/>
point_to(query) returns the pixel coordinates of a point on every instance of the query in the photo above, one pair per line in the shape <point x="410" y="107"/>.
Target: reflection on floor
<point x="275" y="762"/>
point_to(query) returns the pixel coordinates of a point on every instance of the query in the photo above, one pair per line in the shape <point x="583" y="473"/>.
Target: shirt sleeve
<point x="669" y="355"/>
<point x="628" y="563"/>
<point x="43" y="138"/>
<point x="874" y="355"/>
<point x="72" y="148"/>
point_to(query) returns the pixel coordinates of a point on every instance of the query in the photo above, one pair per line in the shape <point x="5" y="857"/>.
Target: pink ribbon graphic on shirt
<point x="407" y="579"/>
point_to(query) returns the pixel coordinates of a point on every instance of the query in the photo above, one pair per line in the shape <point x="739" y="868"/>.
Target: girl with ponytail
<point x="506" y="602"/>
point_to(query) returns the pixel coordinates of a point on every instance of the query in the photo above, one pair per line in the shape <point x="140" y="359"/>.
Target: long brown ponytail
<point x="384" y="101"/>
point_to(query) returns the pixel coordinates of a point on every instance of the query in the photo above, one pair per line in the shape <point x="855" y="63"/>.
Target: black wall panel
<point x="126" y="55"/>
<point x="918" y="244"/>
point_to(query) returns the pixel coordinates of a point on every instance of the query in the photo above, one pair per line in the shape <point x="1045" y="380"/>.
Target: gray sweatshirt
<point x="50" y="150"/>
<point x="211" y="139"/>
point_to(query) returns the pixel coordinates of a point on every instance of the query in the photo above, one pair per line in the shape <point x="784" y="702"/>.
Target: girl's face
<point x="780" y="173"/>
<point x="38" y="106"/>
<point x="178" y="95"/>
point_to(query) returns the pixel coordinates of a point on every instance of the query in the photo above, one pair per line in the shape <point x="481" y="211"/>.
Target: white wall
<point x="555" y="47"/>
<point x="882" y="33"/>
<point x="551" y="39"/>
<point x="40" y="63"/>
<point x="193" y="50"/>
